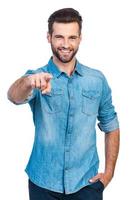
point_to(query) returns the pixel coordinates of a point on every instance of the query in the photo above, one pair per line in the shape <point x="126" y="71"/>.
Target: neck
<point x="68" y="68"/>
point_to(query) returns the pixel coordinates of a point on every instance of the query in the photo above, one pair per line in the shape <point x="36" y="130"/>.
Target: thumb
<point x="95" y="178"/>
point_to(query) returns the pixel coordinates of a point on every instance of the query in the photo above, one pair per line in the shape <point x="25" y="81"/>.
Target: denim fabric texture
<point x="64" y="155"/>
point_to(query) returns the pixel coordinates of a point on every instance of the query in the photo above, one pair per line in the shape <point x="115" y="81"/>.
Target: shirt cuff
<point x="109" y="127"/>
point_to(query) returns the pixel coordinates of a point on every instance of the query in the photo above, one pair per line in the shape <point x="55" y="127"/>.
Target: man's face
<point x="65" y="40"/>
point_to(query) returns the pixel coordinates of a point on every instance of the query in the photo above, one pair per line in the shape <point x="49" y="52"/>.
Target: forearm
<point x="19" y="90"/>
<point x="112" y="141"/>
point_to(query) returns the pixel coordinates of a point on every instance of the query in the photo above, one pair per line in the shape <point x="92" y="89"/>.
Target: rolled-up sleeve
<point x="108" y="120"/>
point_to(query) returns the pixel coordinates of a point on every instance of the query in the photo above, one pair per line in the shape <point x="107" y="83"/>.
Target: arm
<point x="111" y="153"/>
<point x="21" y="89"/>
<point x="112" y="141"/>
<point x="108" y="123"/>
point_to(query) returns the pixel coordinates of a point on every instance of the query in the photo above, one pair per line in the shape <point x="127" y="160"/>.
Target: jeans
<point x="90" y="192"/>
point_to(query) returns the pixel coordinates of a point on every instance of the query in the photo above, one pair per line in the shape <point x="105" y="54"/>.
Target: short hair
<point x="65" y="15"/>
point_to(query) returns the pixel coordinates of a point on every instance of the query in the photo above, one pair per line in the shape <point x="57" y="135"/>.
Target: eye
<point x="73" y="37"/>
<point x="58" y="36"/>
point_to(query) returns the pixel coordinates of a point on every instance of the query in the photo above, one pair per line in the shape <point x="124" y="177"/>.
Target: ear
<point x="80" y="37"/>
<point x="48" y="37"/>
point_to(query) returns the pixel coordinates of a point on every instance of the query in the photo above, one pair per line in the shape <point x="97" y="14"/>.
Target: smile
<point x="65" y="51"/>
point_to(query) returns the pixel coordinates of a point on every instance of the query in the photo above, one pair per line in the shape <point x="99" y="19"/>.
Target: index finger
<point x="48" y="76"/>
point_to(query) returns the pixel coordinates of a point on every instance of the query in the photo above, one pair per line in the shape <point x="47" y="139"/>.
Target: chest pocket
<point x="52" y="102"/>
<point x="90" y="102"/>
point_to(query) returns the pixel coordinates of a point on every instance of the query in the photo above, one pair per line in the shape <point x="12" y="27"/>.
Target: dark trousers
<point x="90" y="192"/>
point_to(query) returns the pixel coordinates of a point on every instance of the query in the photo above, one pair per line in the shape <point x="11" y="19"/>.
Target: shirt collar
<point x="53" y="68"/>
<point x="78" y="68"/>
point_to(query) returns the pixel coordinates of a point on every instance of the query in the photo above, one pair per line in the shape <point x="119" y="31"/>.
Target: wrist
<point x="109" y="173"/>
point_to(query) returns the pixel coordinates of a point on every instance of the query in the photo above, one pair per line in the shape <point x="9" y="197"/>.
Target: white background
<point x="108" y="45"/>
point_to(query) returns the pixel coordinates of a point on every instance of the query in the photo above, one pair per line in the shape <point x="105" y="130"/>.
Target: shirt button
<point x="71" y="114"/>
<point x="70" y="81"/>
<point x="71" y="97"/>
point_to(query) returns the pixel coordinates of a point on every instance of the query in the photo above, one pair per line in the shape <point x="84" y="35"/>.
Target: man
<point x="66" y="99"/>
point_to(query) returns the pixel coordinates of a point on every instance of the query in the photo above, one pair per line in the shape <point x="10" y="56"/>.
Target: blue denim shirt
<point x="64" y="155"/>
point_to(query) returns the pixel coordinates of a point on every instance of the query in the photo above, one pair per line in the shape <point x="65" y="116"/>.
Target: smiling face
<point x="64" y="40"/>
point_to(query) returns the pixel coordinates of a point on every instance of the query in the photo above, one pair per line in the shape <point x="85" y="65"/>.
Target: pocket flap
<point x="55" y="91"/>
<point x="91" y="94"/>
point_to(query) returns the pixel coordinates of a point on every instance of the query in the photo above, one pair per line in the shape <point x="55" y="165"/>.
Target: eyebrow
<point x="71" y="36"/>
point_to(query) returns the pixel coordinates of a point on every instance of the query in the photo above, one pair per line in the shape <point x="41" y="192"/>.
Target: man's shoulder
<point x="38" y="70"/>
<point x="91" y="71"/>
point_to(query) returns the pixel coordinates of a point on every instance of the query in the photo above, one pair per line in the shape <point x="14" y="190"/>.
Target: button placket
<point x="68" y="132"/>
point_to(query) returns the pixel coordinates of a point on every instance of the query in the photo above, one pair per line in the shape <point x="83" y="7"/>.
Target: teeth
<point x="65" y="51"/>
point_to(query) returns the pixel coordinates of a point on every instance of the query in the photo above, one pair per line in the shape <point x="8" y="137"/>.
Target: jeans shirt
<point x="64" y="155"/>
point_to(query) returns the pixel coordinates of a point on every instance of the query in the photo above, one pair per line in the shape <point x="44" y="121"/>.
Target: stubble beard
<point x="62" y="58"/>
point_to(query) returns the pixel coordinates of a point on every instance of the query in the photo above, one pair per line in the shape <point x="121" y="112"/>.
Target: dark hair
<point x="65" y="15"/>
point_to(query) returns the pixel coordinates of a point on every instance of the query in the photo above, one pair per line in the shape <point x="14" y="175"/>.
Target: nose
<point x="65" y="43"/>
